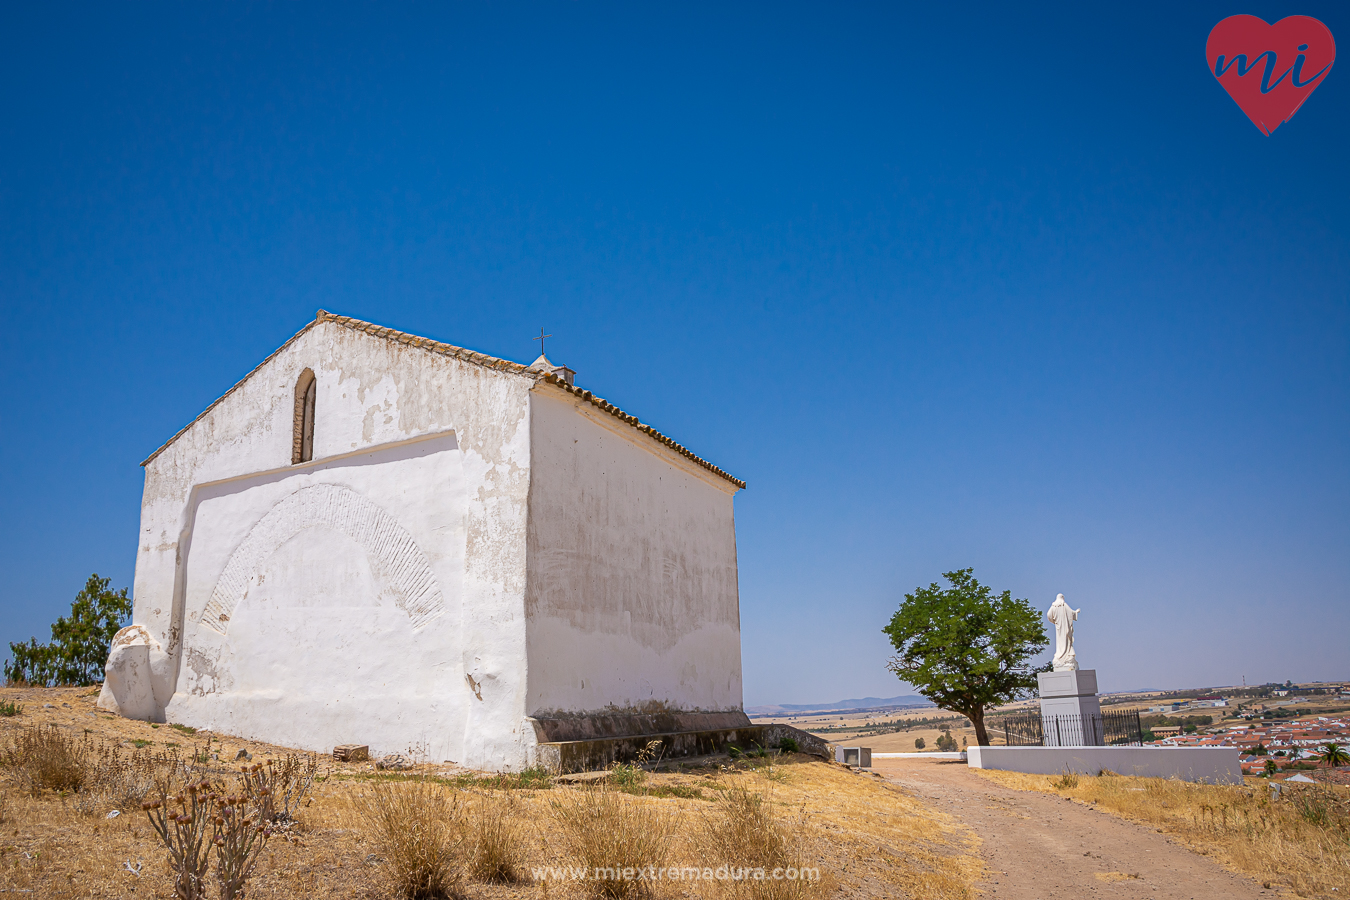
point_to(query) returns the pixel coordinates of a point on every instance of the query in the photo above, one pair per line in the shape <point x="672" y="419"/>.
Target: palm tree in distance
<point x="1333" y="754"/>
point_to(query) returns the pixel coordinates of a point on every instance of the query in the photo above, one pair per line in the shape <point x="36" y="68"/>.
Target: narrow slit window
<point x="302" y="443"/>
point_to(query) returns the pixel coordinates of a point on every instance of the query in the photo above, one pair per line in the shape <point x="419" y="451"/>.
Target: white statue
<point x="1063" y="616"/>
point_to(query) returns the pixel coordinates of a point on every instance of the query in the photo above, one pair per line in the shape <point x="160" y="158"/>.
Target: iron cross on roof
<point x="540" y="339"/>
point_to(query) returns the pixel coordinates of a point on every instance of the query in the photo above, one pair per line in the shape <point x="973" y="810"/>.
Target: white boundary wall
<point x="1214" y="765"/>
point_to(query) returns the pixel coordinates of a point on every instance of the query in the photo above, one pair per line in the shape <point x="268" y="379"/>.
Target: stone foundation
<point x="587" y="755"/>
<point x="554" y="729"/>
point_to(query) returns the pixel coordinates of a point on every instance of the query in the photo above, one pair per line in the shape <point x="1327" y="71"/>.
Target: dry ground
<point x="1296" y="844"/>
<point x="1039" y="846"/>
<point x="869" y="838"/>
<point x="1116" y="836"/>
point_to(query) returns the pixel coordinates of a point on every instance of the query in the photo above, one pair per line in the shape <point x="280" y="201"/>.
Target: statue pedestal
<point x="1071" y="715"/>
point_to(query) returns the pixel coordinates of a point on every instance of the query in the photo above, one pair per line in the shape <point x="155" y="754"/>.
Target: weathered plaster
<point x="632" y="596"/>
<point x="470" y="545"/>
<point x="443" y="462"/>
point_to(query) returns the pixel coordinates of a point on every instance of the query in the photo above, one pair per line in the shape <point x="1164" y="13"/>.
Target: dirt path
<point x="1040" y="846"/>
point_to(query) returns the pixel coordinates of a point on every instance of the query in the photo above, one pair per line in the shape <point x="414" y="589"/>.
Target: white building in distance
<point x="380" y="539"/>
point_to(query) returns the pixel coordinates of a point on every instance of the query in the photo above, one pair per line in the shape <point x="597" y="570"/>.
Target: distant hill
<point x="909" y="701"/>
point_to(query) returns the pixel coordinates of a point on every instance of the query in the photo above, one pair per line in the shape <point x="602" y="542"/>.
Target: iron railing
<point x="1017" y="729"/>
<point x="1117" y="727"/>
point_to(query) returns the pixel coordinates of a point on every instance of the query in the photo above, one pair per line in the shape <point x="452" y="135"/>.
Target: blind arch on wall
<point x="395" y="559"/>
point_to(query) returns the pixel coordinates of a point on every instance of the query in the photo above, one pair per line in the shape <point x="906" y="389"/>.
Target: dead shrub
<point x="47" y="758"/>
<point x="204" y="816"/>
<point x="1316" y="805"/>
<point x="239" y="834"/>
<point x="745" y="833"/>
<point x="279" y="787"/>
<point x="418" y="830"/>
<point x="607" y="833"/>
<point x="102" y="775"/>
<point x="115" y="779"/>
<point x="183" y="823"/>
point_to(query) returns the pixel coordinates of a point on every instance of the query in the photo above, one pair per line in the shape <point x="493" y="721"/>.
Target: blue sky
<point x="1013" y="289"/>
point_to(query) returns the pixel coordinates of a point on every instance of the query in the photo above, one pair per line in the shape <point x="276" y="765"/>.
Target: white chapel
<point x="380" y="539"/>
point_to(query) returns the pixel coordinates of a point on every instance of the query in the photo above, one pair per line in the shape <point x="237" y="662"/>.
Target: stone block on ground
<point x="394" y="762"/>
<point x="351" y="752"/>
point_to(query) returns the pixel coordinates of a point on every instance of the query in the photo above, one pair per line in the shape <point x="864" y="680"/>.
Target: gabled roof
<point x="645" y="429"/>
<point x="480" y="359"/>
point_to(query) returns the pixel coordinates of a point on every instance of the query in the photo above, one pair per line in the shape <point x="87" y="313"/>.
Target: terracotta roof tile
<point x="617" y="413"/>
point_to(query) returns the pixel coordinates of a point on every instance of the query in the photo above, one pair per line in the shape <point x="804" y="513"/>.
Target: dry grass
<point x="101" y="775"/>
<point x="913" y="849"/>
<point x="418" y="829"/>
<point x="606" y="831"/>
<point x="868" y="838"/>
<point x="1066" y="782"/>
<point x="1301" y="841"/>
<point x="496" y="828"/>
<point x="749" y="834"/>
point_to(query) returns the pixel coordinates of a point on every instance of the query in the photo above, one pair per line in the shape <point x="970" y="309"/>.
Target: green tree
<point x="79" y="645"/>
<point x="1271" y="767"/>
<point x="965" y="648"/>
<point x="919" y="743"/>
<point x="1333" y="754"/>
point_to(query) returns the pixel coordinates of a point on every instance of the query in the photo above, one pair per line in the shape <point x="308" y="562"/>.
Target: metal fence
<point x="1109" y="728"/>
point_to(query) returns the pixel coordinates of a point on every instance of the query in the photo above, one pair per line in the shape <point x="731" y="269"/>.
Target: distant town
<point x="1281" y="729"/>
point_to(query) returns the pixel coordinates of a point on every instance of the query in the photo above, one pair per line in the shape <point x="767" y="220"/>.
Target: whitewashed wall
<point x="632" y="597"/>
<point x="331" y="635"/>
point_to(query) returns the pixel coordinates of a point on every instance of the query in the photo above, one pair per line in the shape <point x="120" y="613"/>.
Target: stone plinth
<point x="1070" y="706"/>
<point x="1071" y="714"/>
<point x="1077" y="683"/>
